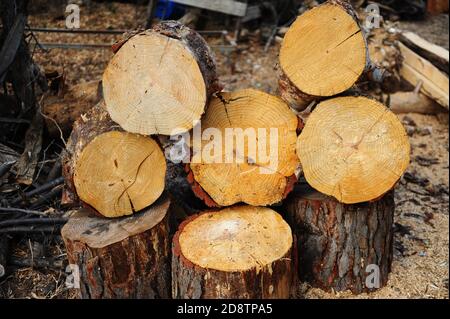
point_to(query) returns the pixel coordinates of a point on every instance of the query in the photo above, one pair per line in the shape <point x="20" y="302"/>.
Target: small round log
<point x="238" y="252"/>
<point x="159" y="80"/>
<point x="342" y="247"/>
<point x="323" y="54"/>
<point x="353" y="148"/>
<point x="126" y="257"/>
<point x="87" y="127"/>
<point x="120" y="173"/>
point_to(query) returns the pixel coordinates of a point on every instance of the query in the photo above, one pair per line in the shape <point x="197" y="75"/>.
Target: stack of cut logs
<point x="151" y="228"/>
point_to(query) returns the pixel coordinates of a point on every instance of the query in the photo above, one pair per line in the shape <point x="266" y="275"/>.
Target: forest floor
<point x="421" y="248"/>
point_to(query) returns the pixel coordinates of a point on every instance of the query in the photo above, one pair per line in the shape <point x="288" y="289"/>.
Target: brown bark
<point x="190" y="281"/>
<point x="337" y="242"/>
<point x="95" y="122"/>
<point x="121" y="258"/>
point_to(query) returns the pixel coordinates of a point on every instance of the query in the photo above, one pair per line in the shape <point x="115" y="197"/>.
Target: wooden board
<point x="225" y="6"/>
<point x="415" y="69"/>
<point x="430" y="51"/>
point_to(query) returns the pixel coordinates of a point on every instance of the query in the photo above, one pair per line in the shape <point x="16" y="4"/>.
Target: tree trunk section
<point x="222" y="275"/>
<point x="95" y="122"/>
<point x="353" y="163"/>
<point x="238" y="166"/>
<point x="121" y="258"/>
<point x="337" y="60"/>
<point x="338" y="242"/>
<point x="177" y="77"/>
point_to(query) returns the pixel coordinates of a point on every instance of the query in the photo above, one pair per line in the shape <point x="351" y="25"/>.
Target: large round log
<point x="323" y="54"/>
<point x="159" y="80"/>
<point x="238" y="252"/>
<point x="247" y="150"/>
<point x="126" y="257"/>
<point x="342" y="247"/>
<point x="353" y="148"/>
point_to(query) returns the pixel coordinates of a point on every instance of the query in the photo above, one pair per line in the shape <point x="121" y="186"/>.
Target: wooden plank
<point x="416" y="69"/>
<point x="225" y="6"/>
<point x="430" y="51"/>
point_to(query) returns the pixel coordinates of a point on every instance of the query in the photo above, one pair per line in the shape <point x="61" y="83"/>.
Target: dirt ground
<point x="421" y="248"/>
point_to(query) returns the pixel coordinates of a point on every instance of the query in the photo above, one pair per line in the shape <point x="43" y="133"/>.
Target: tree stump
<point x="247" y="152"/>
<point x="126" y="257"/>
<point x="323" y="54"/>
<point x="238" y="252"/>
<point x="353" y="148"/>
<point x="342" y="246"/>
<point x="160" y="80"/>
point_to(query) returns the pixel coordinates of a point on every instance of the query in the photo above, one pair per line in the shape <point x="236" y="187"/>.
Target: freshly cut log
<point x="88" y="126"/>
<point x="4" y="253"/>
<point x="353" y="148"/>
<point x="126" y="257"/>
<point x="120" y="173"/>
<point x="159" y="80"/>
<point x="412" y="102"/>
<point x="341" y="247"/>
<point x="238" y="252"/>
<point x="252" y="158"/>
<point x="430" y="51"/>
<point x="420" y="72"/>
<point x="323" y="53"/>
<point x="62" y="110"/>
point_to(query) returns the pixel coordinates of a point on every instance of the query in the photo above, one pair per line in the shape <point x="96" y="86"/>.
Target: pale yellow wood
<point x="412" y="102"/>
<point x="154" y="85"/>
<point x="432" y="48"/>
<point x="119" y="173"/>
<point x="414" y="69"/>
<point x="229" y="183"/>
<point x="236" y="239"/>
<point x="324" y="51"/>
<point x="353" y="148"/>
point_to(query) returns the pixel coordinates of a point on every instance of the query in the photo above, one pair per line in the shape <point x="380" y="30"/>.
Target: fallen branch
<point x="20" y="210"/>
<point x="33" y="221"/>
<point x="30" y="230"/>
<point x="40" y="189"/>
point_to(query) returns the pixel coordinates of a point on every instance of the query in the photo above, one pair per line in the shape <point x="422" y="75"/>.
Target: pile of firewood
<point x="331" y="159"/>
